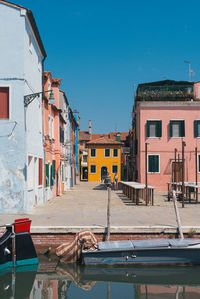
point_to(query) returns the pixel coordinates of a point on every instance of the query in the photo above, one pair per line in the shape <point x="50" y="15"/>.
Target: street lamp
<point x="30" y="97"/>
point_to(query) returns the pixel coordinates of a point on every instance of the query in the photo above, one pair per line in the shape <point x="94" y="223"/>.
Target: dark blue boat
<point x="150" y="252"/>
<point x="16" y="245"/>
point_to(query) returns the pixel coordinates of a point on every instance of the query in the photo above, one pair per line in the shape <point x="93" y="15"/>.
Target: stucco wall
<point x="19" y="71"/>
<point x="165" y="145"/>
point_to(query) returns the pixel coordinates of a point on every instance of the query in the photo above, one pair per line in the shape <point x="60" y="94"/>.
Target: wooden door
<point x="177" y="171"/>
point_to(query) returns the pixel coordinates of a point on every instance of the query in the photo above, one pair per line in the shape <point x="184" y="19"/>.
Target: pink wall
<point x="164" y="146"/>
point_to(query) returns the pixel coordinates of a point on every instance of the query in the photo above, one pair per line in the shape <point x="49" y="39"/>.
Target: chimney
<point x="90" y="127"/>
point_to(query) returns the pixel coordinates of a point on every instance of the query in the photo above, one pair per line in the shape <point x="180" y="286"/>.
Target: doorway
<point x="177" y="171"/>
<point x="104" y="171"/>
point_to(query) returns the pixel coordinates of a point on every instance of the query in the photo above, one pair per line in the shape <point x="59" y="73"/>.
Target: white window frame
<point x="198" y="119"/>
<point x="95" y="169"/>
<point x="49" y="122"/>
<point x="113" y="172"/>
<point x="177" y="120"/>
<point x="148" y="164"/>
<point x="154" y="120"/>
<point x="105" y="152"/>
<point x="93" y="148"/>
<point x="198" y="157"/>
<point x="117" y="152"/>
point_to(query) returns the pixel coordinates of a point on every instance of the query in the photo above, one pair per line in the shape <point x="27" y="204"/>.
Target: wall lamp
<point x="30" y="97"/>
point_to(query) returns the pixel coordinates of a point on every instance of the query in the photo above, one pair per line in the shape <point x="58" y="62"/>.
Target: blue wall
<point x="21" y="72"/>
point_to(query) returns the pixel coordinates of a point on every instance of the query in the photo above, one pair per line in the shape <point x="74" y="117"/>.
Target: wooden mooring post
<point x="146" y="176"/>
<point x="108" y="214"/>
<point x="183" y="173"/>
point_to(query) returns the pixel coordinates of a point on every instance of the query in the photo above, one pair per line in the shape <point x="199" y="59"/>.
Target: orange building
<point x="104" y="155"/>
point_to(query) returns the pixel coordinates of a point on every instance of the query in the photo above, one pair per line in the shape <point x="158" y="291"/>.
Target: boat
<point x="16" y="245"/>
<point x="18" y="283"/>
<point x="141" y="252"/>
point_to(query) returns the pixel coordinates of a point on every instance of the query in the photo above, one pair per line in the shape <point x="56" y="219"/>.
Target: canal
<point x="51" y="280"/>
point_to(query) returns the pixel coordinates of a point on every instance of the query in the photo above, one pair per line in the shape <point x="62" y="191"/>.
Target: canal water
<point x="51" y="280"/>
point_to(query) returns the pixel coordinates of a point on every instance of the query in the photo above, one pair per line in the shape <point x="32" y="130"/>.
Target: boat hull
<point x="158" y="256"/>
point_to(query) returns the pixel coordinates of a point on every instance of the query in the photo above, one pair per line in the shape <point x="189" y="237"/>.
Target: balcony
<point x="165" y="91"/>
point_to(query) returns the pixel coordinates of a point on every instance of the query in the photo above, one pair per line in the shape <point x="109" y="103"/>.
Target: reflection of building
<point x="165" y="113"/>
<point x="104" y="155"/>
<point x="21" y="148"/>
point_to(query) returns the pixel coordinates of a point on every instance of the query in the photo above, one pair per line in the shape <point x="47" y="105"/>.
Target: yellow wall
<point x="100" y="160"/>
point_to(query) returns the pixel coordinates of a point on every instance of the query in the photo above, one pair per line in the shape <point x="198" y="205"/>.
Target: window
<point x="154" y="128"/>
<point x="40" y="172"/>
<point x="46" y="175"/>
<point x="196" y="128"/>
<point x="114" y="169"/>
<point x="50" y="127"/>
<point x="61" y="135"/>
<point x="92" y="168"/>
<point x="153" y="164"/>
<point x="30" y="172"/>
<point x="107" y="152"/>
<point x="53" y="172"/>
<point x="177" y="128"/>
<point x="4" y="102"/>
<point x="93" y="152"/>
<point x="115" y="152"/>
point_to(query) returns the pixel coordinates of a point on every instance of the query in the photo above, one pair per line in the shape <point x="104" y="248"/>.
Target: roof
<point x="104" y="140"/>
<point x="84" y="136"/>
<point x="32" y="22"/>
<point x="123" y="135"/>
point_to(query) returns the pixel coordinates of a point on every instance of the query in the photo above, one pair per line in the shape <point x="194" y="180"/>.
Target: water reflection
<point x="55" y="281"/>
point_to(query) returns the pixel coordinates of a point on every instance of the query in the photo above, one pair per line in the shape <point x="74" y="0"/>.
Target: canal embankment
<point x="85" y="207"/>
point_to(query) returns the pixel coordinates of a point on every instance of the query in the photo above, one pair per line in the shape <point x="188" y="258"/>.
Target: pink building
<point x="164" y="115"/>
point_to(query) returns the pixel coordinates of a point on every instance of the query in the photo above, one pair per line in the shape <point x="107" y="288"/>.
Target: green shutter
<point x="63" y="178"/>
<point x="159" y="128"/>
<point x="170" y="125"/>
<point x="195" y="128"/>
<point x="52" y="175"/>
<point x="47" y="175"/>
<point x="148" y="133"/>
<point x="156" y="163"/>
<point x="182" y="128"/>
<point x="153" y="163"/>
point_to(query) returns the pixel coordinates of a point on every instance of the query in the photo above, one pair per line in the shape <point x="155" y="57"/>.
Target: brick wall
<point x="43" y="241"/>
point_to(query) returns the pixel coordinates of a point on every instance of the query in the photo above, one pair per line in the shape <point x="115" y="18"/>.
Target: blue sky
<point x="102" y="49"/>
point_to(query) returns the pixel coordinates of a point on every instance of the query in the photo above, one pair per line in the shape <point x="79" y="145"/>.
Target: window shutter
<point x="47" y="175"/>
<point x="195" y="128"/>
<point x="4" y="102"/>
<point x="159" y="129"/>
<point x="52" y="174"/>
<point x="182" y="128"/>
<point x="148" y="132"/>
<point x="170" y="125"/>
<point x="40" y="172"/>
<point x="156" y="164"/>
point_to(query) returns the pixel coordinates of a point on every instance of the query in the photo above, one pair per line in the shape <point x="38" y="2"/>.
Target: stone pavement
<point x="86" y="205"/>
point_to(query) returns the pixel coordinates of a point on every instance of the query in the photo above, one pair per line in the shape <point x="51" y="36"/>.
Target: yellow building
<point x="104" y="155"/>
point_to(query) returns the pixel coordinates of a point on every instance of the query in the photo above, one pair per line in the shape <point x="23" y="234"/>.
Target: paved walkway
<point x="86" y="205"/>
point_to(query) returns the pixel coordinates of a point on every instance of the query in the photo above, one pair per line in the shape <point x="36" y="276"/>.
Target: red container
<point x="24" y="225"/>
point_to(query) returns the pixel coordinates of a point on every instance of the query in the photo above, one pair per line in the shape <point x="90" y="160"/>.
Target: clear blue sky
<point x="102" y="48"/>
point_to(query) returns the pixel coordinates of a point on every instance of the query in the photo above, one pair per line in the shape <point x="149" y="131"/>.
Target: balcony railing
<point x="168" y="93"/>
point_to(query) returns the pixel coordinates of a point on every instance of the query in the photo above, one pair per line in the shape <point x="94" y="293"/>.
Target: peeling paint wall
<point x="21" y="134"/>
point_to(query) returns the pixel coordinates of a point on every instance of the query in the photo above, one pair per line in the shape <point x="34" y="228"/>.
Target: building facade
<point x="166" y="114"/>
<point x="104" y="155"/>
<point x="21" y="146"/>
